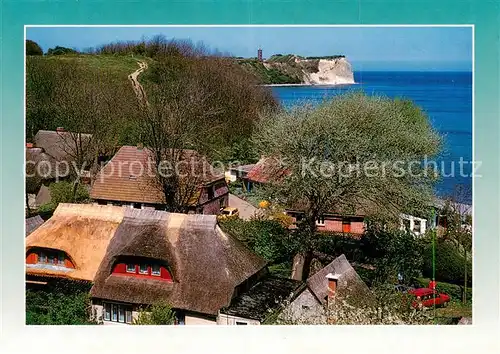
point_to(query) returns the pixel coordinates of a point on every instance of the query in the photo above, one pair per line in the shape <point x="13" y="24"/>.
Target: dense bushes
<point x="32" y="48"/>
<point x="268" y="238"/>
<point x="59" y="303"/>
<point x="62" y="192"/>
<point x="450" y="264"/>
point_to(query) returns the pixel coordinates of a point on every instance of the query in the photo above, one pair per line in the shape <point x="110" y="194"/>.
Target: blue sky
<point x="367" y="48"/>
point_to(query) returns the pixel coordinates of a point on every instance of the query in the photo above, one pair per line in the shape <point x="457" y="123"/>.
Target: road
<point x="138" y="89"/>
<point x="246" y="209"/>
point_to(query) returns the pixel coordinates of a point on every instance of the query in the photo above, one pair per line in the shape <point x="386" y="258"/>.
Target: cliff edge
<point x="294" y="69"/>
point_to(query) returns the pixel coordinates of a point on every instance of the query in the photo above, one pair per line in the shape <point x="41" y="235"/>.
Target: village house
<point x="48" y="159"/>
<point x="135" y="258"/>
<point x="293" y="301"/>
<point x="238" y="173"/>
<point x="129" y="180"/>
<point x="352" y="223"/>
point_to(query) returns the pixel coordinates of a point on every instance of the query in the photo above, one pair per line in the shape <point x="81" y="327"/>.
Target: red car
<point x="427" y="297"/>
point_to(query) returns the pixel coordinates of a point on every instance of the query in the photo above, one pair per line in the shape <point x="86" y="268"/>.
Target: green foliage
<point x="62" y="192"/>
<point x="61" y="51"/>
<point x="326" y="151"/>
<point x="393" y="252"/>
<point x="158" y="314"/>
<point x="455" y="291"/>
<point x="450" y="263"/>
<point x="61" y="304"/>
<point x="268" y="238"/>
<point x="32" y="48"/>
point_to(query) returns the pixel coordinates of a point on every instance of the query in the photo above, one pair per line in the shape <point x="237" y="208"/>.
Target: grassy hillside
<point x="271" y="75"/>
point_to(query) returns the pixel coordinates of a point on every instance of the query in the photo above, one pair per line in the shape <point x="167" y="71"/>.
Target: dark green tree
<point x="32" y="48"/>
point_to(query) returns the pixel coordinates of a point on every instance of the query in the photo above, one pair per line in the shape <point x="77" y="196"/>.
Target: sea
<point x="446" y="97"/>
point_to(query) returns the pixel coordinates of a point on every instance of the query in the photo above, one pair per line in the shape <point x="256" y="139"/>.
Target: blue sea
<point x="446" y="97"/>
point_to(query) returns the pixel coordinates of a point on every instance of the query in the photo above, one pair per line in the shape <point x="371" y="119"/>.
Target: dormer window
<point x="142" y="268"/>
<point x="48" y="257"/>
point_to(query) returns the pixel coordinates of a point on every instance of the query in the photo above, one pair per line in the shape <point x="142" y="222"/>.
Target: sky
<point x="366" y="48"/>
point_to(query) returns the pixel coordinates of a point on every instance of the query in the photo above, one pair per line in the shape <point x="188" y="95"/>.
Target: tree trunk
<point x="302" y="265"/>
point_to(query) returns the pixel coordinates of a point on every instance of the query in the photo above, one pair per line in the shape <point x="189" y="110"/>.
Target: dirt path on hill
<point x="138" y="89"/>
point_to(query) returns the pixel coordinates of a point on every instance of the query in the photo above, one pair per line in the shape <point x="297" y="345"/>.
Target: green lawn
<point x="121" y="65"/>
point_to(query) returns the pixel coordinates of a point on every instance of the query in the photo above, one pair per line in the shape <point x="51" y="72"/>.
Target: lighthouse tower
<point x="259" y="54"/>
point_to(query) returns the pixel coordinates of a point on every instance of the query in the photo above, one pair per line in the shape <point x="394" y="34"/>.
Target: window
<point x="42" y="258"/>
<point x="117" y="313"/>
<point x="121" y="314"/>
<point x="320" y="221"/>
<point x="305" y="307"/>
<point x="155" y="270"/>
<point x="210" y="192"/>
<point x="60" y="258"/>
<point x="130" y="268"/>
<point x="241" y="323"/>
<point x="51" y="258"/>
<point x="222" y="203"/>
<point x="416" y="225"/>
<point x="143" y="269"/>
<point x="137" y="206"/>
<point x="107" y="312"/>
<point x="114" y="313"/>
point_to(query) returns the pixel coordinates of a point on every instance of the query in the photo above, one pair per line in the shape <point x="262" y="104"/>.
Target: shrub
<point x="32" y="48"/>
<point x="158" y="314"/>
<point x="59" y="303"/>
<point x="449" y="264"/>
<point x="62" y="192"/>
<point x="268" y="238"/>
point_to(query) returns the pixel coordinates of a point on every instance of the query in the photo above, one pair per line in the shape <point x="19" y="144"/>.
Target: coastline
<point x="316" y="85"/>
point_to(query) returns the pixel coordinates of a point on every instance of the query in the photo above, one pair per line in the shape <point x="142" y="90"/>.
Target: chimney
<point x="30" y="145"/>
<point x="140" y="146"/>
<point x="332" y="285"/>
<point x="60" y="129"/>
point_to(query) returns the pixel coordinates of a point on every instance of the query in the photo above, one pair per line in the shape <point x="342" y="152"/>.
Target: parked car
<point x="402" y="288"/>
<point x="228" y="213"/>
<point x="426" y="297"/>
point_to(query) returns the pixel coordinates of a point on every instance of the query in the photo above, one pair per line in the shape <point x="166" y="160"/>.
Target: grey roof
<point x="61" y="145"/>
<point x="33" y="223"/>
<point x="267" y="295"/>
<point x="349" y="281"/>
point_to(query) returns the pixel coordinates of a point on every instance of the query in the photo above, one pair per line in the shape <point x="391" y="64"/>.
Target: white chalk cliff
<point x="330" y="72"/>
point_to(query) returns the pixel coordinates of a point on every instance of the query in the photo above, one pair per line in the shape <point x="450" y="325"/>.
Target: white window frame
<point x="153" y="272"/>
<point x="141" y="271"/>
<point x="320" y="221"/>
<point x="129" y="271"/>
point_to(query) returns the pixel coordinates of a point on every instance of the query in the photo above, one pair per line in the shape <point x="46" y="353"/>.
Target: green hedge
<point x="449" y="264"/>
<point x="455" y="291"/>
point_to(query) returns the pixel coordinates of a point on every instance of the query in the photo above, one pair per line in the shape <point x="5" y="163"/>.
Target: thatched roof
<point x="61" y="144"/>
<point x="82" y="231"/>
<point x="205" y="263"/>
<point x="265" y="296"/>
<point x="349" y="282"/>
<point x="130" y="176"/>
<point x="32" y="224"/>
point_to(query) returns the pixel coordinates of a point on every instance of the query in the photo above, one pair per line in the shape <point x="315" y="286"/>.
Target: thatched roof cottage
<point x="137" y="257"/>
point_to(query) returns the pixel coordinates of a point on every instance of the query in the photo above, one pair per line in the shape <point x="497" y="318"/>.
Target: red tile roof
<point x="266" y="170"/>
<point x="129" y="177"/>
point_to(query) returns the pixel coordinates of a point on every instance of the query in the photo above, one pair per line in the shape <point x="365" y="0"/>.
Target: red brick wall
<point x="334" y="224"/>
